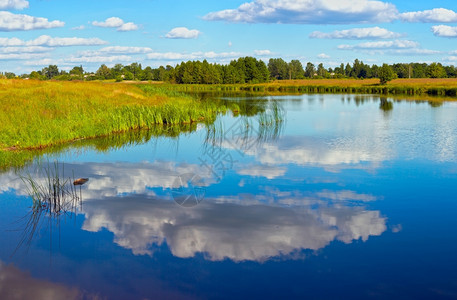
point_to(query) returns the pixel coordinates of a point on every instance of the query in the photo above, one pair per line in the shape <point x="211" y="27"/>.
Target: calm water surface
<point x="345" y="198"/>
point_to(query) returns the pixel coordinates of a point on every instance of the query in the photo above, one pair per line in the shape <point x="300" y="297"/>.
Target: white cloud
<point x="182" y="33"/>
<point x="112" y="22"/>
<point x="46" y="40"/>
<point x="44" y="62"/>
<point x="122" y="50"/>
<point x="382" y="45"/>
<point x="257" y="232"/>
<point x="20" y="56"/>
<point x="444" y="31"/>
<point x="370" y="33"/>
<point x="14" y="4"/>
<point x="397" y="47"/>
<point x="191" y="56"/>
<point x="128" y="27"/>
<point x="308" y="12"/>
<point x="115" y="22"/>
<point x="269" y="172"/>
<point x="99" y="59"/>
<point x="323" y="56"/>
<point x="16" y="22"/>
<point x="30" y="49"/>
<point x="345" y="196"/>
<point x="262" y="52"/>
<point x="81" y="27"/>
<point x="436" y="15"/>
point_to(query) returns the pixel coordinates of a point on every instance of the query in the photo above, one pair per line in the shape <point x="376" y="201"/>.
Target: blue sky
<point x="36" y="33"/>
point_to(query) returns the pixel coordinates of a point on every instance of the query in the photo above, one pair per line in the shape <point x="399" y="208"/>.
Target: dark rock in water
<point x="80" y="181"/>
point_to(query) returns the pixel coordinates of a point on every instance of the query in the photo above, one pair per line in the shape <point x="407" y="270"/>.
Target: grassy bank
<point x="37" y="114"/>
<point x="422" y="86"/>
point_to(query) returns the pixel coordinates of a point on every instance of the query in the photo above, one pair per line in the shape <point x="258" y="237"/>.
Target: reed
<point x="53" y="195"/>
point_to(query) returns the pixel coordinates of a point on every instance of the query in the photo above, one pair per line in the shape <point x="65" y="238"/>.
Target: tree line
<point x="243" y="70"/>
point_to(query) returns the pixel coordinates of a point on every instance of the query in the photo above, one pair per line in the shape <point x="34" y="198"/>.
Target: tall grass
<point x="38" y="114"/>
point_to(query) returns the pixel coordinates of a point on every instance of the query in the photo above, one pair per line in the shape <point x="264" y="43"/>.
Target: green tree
<point x="321" y="71"/>
<point x="310" y="70"/>
<point x="278" y="68"/>
<point x="436" y="70"/>
<point x="103" y="72"/>
<point x="386" y="74"/>
<point x="78" y="71"/>
<point x="50" y="71"/>
<point x="296" y="70"/>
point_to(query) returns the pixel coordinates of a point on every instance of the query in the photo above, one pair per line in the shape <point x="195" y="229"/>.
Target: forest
<point x="243" y="70"/>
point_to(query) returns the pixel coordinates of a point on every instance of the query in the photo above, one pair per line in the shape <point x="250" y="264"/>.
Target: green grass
<point x="39" y="114"/>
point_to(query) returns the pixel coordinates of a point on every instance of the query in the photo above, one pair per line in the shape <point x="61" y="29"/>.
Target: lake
<point x="304" y="196"/>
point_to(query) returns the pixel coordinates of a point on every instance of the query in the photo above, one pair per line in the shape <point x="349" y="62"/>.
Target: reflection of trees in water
<point x="266" y="125"/>
<point x="385" y="104"/>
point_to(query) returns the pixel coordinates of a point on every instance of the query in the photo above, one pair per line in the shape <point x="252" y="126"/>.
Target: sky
<point x="37" y="33"/>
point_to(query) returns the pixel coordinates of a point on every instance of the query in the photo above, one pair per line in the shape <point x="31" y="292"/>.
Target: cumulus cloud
<point x="46" y="40"/>
<point x="444" y="31"/>
<point x="21" y="56"/>
<point x="120" y="50"/>
<point x="371" y="33"/>
<point x="14" y="4"/>
<point x="323" y="56"/>
<point x="31" y="49"/>
<point x="115" y="22"/>
<point x="183" y="33"/>
<point x="436" y="15"/>
<point x="397" y="47"/>
<point x="262" y="52"/>
<point x="397" y="44"/>
<point x="16" y="22"/>
<point x="99" y="59"/>
<point x="308" y="12"/>
<point x="112" y="22"/>
<point x="128" y="27"/>
<point x="191" y="56"/>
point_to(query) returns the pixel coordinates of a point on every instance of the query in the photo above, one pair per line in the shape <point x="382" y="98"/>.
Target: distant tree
<point x="386" y="74"/>
<point x="348" y="70"/>
<point x="50" y="71"/>
<point x="117" y="70"/>
<point x="78" y="71"/>
<point x="296" y="69"/>
<point x="436" y="70"/>
<point x="103" y="72"/>
<point x="321" y="71"/>
<point x="310" y="70"/>
<point x="10" y="75"/>
<point x="278" y="68"/>
<point x="135" y="69"/>
<point x="451" y="71"/>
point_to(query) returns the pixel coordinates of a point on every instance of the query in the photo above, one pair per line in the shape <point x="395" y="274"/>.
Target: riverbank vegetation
<point x="37" y="114"/>
<point x="446" y="88"/>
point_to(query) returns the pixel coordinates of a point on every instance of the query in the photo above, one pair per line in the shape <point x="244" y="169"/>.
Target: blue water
<point x="340" y="200"/>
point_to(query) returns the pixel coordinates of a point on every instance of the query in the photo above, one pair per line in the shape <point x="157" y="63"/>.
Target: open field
<point x="36" y="114"/>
